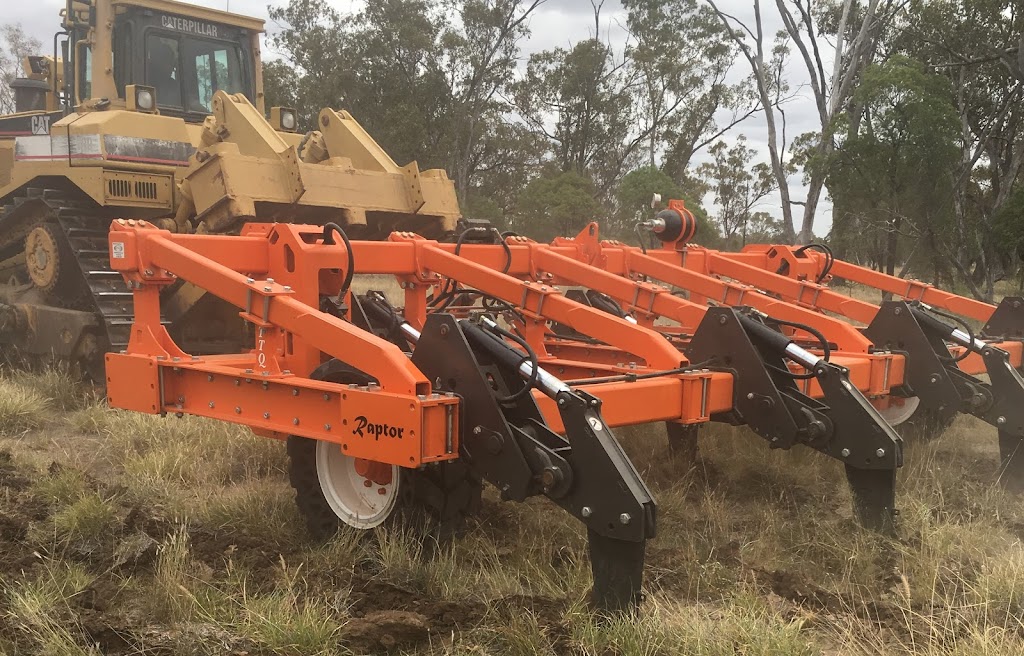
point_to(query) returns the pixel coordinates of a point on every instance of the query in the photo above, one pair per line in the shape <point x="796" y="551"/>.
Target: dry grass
<point x="757" y="553"/>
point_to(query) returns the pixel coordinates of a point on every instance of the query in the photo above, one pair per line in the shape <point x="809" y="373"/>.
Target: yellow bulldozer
<point x="155" y="109"/>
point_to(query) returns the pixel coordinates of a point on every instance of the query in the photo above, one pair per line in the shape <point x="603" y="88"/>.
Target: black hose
<point x="640" y="237"/>
<point x="967" y="328"/>
<point x="826" y="350"/>
<point x="830" y="258"/>
<point x="490" y="303"/>
<point x="450" y="287"/>
<point x="531" y="355"/>
<point x="329" y="240"/>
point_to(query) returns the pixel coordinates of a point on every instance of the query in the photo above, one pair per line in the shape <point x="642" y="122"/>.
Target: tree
<point x="633" y="200"/>
<point x="892" y="176"/>
<point x="480" y="59"/>
<point x="557" y="203"/>
<point x="738" y="186"/>
<point x="679" y="90"/>
<point x="976" y="46"/>
<point x="15" y="45"/>
<point x="579" y="100"/>
<point x="857" y="33"/>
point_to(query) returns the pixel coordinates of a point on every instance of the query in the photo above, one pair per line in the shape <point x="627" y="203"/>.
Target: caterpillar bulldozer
<point x="154" y="109"/>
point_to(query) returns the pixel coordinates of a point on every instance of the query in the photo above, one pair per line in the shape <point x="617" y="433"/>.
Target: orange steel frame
<point x="276" y="275"/>
<point x="808" y="267"/>
<point x="758" y="265"/>
<point x="620" y="272"/>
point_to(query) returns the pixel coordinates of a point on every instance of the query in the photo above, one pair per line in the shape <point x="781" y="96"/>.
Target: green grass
<point x="22" y="408"/>
<point x="757" y="553"/>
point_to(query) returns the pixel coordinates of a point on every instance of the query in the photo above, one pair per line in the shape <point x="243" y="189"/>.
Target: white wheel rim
<point x="895" y="414"/>
<point x="357" y="504"/>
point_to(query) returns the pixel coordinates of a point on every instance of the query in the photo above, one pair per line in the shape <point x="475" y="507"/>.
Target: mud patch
<point x="387" y="630"/>
<point x="384" y="603"/>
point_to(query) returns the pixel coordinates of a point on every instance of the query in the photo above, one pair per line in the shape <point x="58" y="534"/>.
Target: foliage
<point x="891" y="176"/>
<point x="557" y="204"/>
<point x="738" y="187"/>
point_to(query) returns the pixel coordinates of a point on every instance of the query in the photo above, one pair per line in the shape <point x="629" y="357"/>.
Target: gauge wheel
<point x="333" y="489"/>
<point x="913" y="422"/>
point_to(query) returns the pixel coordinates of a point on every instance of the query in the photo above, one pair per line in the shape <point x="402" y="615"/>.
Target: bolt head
<point x="750" y="396"/>
<point x="586" y="511"/>
<point x="845" y="453"/>
<point x="1001" y="420"/>
<point x="880" y="453"/>
<point x="295" y="421"/>
<point x="211" y="405"/>
<point x="561" y="401"/>
<point x="477" y="430"/>
<point x="624" y="518"/>
<point x="238" y="410"/>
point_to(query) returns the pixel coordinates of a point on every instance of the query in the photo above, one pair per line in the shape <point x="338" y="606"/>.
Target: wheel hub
<point x="900" y="410"/>
<point x="41" y="258"/>
<point x="362" y="493"/>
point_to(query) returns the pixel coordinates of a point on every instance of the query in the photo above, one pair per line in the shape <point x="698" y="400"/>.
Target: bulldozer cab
<point x="151" y="56"/>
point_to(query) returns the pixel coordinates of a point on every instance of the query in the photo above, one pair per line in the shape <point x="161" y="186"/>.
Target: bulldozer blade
<point x="874" y="498"/>
<point x="1011" y="461"/>
<point x="618" y="569"/>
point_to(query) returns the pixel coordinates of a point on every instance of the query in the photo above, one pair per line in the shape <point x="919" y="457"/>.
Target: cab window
<point x="85" y="74"/>
<point x="215" y="67"/>
<point x="163" y="70"/>
<point x="122" y="56"/>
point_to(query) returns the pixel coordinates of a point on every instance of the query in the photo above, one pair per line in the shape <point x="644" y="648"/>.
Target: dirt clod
<point x="387" y="629"/>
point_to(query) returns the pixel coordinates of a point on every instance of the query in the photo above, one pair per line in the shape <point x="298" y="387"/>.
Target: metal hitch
<point x="843" y="425"/>
<point x="941" y="392"/>
<point x="507" y="442"/>
<point x="1001" y="400"/>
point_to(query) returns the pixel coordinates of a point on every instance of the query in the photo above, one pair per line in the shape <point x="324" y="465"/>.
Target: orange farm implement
<point x="510" y="361"/>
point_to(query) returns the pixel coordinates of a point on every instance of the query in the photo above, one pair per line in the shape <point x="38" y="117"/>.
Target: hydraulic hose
<point x="329" y="228"/>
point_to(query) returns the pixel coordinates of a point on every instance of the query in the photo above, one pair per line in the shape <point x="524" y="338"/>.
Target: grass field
<point x="123" y="533"/>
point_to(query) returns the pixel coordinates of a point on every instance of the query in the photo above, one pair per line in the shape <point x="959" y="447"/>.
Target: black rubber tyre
<point x="436" y="498"/>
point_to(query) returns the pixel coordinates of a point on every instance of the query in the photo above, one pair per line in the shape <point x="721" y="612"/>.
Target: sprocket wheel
<point x="46" y="256"/>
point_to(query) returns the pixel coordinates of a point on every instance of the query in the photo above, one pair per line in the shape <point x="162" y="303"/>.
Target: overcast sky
<point x="555" y="23"/>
